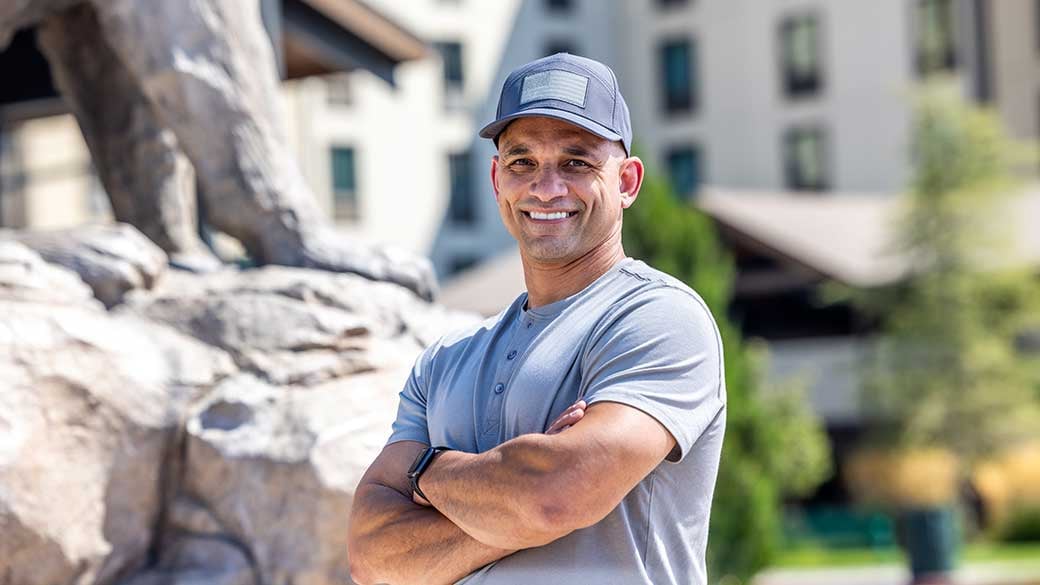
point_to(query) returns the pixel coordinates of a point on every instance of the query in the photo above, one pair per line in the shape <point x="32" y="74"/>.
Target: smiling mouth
<point x="556" y="215"/>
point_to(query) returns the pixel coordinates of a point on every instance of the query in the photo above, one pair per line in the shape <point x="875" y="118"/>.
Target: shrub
<point x="774" y="446"/>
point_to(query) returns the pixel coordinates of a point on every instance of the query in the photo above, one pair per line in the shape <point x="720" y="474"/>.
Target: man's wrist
<point x="420" y="466"/>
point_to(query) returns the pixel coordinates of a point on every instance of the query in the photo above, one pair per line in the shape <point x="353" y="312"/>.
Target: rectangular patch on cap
<point x="555" y="84"/>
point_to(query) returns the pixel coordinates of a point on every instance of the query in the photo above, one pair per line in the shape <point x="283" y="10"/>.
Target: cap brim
<point x="495" y="128"/>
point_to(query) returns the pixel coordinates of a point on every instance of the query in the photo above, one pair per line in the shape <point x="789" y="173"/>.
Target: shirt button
<point x="499" y="388"/>
<point x="511" y="355"/>
<point x="529" y="324"/>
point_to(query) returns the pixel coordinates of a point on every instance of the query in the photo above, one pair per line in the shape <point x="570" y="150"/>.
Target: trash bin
<point x="930" y="537"/>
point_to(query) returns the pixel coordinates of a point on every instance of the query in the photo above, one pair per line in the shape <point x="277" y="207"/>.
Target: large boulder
<point x="294" y="326"/>
<point x="89" y="406"/>
<point x="25" y="276"/>
<point x="208" y="429"/>
<point x="111" y="259"/>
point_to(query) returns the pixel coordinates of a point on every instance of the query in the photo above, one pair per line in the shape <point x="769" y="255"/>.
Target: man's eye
<point x="521" y="162"/>
<point x="574" y="163"/>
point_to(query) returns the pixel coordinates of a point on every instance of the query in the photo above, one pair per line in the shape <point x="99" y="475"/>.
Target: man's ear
<point x="494" y="175"/>
<point x="631" y="172"/>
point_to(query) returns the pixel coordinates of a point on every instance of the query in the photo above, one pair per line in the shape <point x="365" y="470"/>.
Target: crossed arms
<point x="526" y="492"/>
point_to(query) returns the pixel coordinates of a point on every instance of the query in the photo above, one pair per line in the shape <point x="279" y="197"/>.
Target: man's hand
<point x="572" y="415"/>
<point x="391" y="540"/>
<point x="536" y="488"/>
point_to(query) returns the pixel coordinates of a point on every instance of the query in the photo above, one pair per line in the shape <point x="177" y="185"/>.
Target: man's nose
<point x="549" y="185"/>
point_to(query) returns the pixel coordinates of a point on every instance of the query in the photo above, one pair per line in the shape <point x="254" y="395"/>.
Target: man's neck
<point x="548" y="282"/>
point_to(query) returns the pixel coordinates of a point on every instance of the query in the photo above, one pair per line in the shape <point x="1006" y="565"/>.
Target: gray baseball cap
<point x="569" y="88"/>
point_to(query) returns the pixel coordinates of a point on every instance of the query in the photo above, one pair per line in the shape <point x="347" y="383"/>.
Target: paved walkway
<point x="975" y="574"/>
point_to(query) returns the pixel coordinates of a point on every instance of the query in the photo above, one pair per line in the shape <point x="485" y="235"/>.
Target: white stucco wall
<point x="743" y="114"/>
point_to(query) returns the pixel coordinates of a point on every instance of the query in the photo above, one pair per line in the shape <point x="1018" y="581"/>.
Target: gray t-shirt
<point x="635" y="336"/>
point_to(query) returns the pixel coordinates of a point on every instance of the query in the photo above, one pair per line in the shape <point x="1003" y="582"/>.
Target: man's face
<point x="561" y="189"/>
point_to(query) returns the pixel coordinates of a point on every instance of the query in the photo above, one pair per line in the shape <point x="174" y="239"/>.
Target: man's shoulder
<point x="647" y="284"/>
<point x="653" y="305"/>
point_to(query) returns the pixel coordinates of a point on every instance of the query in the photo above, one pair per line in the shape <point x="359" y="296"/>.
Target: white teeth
<point x="557" y="215"/>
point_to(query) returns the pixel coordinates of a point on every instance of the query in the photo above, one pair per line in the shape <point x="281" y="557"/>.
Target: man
<point x="585" y="421"/>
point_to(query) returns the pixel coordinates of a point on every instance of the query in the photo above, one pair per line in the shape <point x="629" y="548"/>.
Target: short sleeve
<point x="410" y="424"/>
<point x="659" y="352"/>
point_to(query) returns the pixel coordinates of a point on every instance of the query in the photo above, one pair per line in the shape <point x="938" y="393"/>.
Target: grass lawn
<point x="808" y="556"/>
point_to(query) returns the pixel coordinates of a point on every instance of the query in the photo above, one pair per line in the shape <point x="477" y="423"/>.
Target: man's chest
<point x="515" y="382"/>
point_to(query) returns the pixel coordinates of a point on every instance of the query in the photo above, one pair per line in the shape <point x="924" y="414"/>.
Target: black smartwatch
<point x="423" y="461"/>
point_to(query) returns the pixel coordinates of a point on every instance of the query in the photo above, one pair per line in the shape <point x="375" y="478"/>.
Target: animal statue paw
<point x="199" y="261"/>
<point x="328" y="250"/>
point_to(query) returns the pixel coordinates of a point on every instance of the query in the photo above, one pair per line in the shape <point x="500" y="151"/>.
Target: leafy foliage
<point x="949" y="372"/>
<point x="774" y="446"/>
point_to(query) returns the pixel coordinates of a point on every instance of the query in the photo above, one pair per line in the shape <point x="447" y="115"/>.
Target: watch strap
<point x="421" y="464"/>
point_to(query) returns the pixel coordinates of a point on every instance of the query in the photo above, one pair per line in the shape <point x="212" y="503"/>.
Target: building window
<point x="936" y="48"/>
<point x="338" y="90"/>
<point x="800" y="51"/>
<point x="559" y="46"/>
<point x="344" y="183"/>
<point x="684" y="170"/>
<point x="1038" y="117"/>
<point x="559" y="6"/>
<point x="13" y="178"/>
<point x="805" y="159"/>
<point x="6" y="189"/>
<point x="454" y="77"/>
<point x="1036" y="22"/>
<point x="461" y="204"/>
<point x="462" y="262"/>
<point x="678" y="59"/>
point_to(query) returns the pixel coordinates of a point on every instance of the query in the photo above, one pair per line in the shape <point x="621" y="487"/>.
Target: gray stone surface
<point x="25" y="276"/>
<point x="86" y="425"/>
<point x="111" y="259"/>
<point x="208" y="430"/>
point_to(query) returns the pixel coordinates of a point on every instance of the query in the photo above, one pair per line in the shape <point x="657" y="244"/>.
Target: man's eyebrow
<point x="517" y="150"/>
<point x="578" y="151"/>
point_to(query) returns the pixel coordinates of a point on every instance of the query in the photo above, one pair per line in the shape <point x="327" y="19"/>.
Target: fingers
<point x="573" y="414"/>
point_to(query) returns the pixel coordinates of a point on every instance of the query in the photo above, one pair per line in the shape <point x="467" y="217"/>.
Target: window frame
<point x="696" y="152"/>
<point x="675" y="104"/>
<point x="339" y="90"/>
<point x="950" y="60"/>
<point x="793" y="175"/>
<point x="1036" y="25"/>
<point x="454" y="86"/>
<point x="346" y="203"/>
<point x="559" y="7"/>
<point x="795" y="86"/>
<point x="462" y="201"/>
<point x="461" y="262"/>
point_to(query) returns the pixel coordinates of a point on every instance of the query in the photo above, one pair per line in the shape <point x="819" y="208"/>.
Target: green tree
<point x="774" y="446"/>
<point x="949" y="372"/>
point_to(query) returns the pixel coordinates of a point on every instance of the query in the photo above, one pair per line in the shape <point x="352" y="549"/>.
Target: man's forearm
<point x="499" y="497"/>
<point x="408" y="543"/>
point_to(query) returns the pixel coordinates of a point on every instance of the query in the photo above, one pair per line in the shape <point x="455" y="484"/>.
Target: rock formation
<point x="205" y="429"/>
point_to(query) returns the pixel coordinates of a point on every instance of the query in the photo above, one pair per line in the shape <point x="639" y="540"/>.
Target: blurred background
<point x="822" y="171"/>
